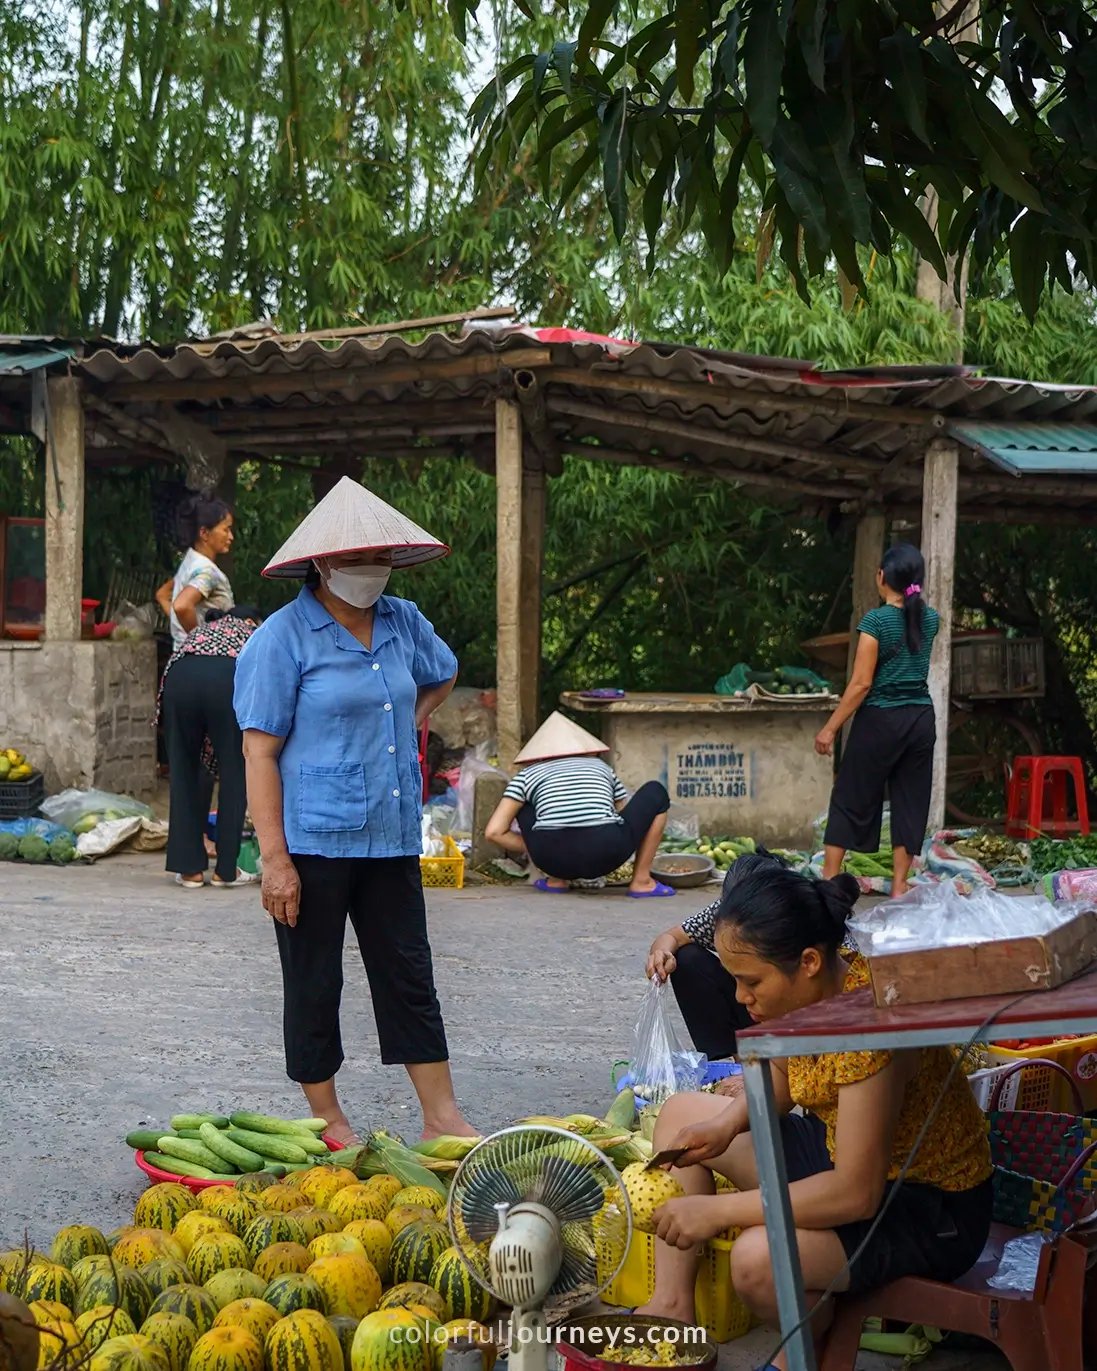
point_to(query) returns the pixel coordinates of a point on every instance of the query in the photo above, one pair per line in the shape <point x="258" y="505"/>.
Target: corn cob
<point x="448" y="1147"/>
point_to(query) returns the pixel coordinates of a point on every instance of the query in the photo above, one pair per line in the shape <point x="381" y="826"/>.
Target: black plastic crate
<point x="20" y="799"/>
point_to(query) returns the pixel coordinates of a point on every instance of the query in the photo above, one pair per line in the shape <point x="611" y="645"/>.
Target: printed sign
<point x="710" y="771"/>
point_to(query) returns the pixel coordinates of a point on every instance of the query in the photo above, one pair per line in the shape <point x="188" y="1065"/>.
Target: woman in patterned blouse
<point x="203" y="737"/>
<point x="780" y="935"/>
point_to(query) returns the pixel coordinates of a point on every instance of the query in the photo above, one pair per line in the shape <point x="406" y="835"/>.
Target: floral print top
<point x="223" y="638"/>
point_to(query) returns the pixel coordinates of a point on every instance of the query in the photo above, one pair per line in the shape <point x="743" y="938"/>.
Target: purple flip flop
<point x="659" y="891"/>
<point x="542" y="885"/>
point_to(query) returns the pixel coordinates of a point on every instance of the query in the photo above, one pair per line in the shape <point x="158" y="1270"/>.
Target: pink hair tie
<point x="913" y="590"/>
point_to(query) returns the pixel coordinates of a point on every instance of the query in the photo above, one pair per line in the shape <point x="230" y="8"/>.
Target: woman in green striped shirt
<point x="891" y="741"/>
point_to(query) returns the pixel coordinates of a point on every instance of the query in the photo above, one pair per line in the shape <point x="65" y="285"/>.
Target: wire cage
<point x="990" y="666"/>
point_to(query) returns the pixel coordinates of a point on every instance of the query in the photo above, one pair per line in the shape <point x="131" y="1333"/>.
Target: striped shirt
<point x="902" y="676"/>
<point x="570" y="792"/>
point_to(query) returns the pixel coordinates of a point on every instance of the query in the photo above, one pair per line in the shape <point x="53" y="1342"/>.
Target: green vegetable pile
<point x="870" y="864"/>
<point x="785" y="680"/>
<point x="1070" y="854"/>
<point x="35" y="850"/>
<point x="723" y="851"/>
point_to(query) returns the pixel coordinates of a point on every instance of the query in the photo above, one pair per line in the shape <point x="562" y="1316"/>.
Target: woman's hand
<point x="691" y="1220"/>
<point x="661" y="959"/>
<point x="281" y="890"/>
<point x="707" y="1139"/>
<point x="824" y="741"/>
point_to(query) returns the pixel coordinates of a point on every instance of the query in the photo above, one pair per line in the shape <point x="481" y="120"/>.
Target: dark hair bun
<point x="840" y="894"/>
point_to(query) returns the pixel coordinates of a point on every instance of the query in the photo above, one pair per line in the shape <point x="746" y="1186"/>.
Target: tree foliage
<point x="840" y="115"/>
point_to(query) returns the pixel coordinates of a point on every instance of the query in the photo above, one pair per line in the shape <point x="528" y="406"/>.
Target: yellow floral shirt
<point x="955" y="1153"/>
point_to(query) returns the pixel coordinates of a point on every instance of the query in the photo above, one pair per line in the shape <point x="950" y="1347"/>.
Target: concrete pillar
<point x="486" y="794"/>
<point x="529" y="631"/>
<point x="64" y="462"/>
<point x="508" y="591"/>
<point x="868" y="553"/>
<point x="939" y="513"/>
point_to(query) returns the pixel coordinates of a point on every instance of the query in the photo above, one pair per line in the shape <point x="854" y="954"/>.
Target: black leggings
<point x="384" y="898"/>
<point x="584" y="854"/>
<point x="197" y="704"/>
<point x="706" y="996"/>
<point x="892" y="749"/>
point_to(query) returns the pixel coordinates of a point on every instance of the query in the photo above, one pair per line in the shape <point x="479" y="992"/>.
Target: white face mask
<point x="360" y="586"/>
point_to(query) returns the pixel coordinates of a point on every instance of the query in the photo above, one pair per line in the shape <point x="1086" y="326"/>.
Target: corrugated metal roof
<point x="1034" y="449"/>
<point x="23" y="360"/>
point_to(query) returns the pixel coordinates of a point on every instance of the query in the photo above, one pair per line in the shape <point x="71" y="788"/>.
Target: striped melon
<point x="255" y="1182"/>
<point x="323" y="1183"/>
<point x="422" y="1195"/>
<point x="217" y="1252"/>
<point x="192" y="1302"/>
<point x="226" y="1349"/>
<point x="130" y="1352"/>
<point x="235" y="1284"/>
<point x="465" y="1297"/>
<point x="344" y="1329"/>
<point x="313" y="1221"/>
<point x="49" y="1281"/>
<point x="86" y="1267"/>
<point x="95" y="1326"/>
<point x="50" y="1311"/>
<point x="331" y="1244"/>
<point x="477" y="1333"/>
<point x="435" y="1338"/>
<point x="292" y="1292"/>
<point x="358" y="1202"/>
<point x="75" y="1242"/>
<point x="389" y="1340"/>
<point x="350" y="1284"/>
<point x="388" y="1185"/>
<point x="405" y="1214"/>
<point x="116" y="1233"/>
<point x="165" y="1272"/>
<point x="280" y="1199"/>
<point x="175" y="1334"/>
<point x="121" y="1286"/>
<point x="377" y="1241"/>
<point x="191" y="1227"/>
<point x="282" y="1259"/>
<point x="162" y="1206"/>
<point x="268" y="1229"/>
<point x="416" y="1248"/>
<point x="144" y="1245"/>
<point x="212" y="1195"/>
<point x="305" y="1341"/>
<point x="236" y="1209"/>
<point x="255" y="1316"/>
<point x="57" y="1343"/>
<point x="12" y="1266"/>
<point x="413" y="1292"/>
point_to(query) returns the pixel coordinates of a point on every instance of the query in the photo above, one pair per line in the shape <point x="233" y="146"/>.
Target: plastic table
<point x="852" y="1023"/>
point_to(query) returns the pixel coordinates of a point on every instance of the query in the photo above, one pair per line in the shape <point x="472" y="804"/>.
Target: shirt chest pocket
<point x="333" y="798"/>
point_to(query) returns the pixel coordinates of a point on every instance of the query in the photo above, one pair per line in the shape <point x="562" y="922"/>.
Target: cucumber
<point x="197" y="1120"/>
<point x="146" y="1139"/>
<point x="275" y="1168"/>
<point x="267" y="1123"/>
<point x="192" y="1133"/>
<point x="314" y="1146"/>
<point x="309" y="1125"/>
<point x="267" y="1145"/>
<point x="197" y="1154"/>
<point x="297" y="1166"/>
<point x="177" y="1167"/>
<point x="221" y="1145"/>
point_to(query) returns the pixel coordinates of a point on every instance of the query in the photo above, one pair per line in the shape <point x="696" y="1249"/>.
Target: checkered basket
<point x="1045" y="1176"/>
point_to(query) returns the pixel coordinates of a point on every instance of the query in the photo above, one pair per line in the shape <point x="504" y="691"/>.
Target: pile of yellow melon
<point x="320" y="1272"/>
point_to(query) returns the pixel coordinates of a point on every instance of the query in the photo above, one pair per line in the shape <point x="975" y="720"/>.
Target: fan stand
<point x="529" y="1341"/>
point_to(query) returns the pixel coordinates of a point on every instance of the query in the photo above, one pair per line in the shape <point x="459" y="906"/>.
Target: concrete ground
<point x="124" y="999"/>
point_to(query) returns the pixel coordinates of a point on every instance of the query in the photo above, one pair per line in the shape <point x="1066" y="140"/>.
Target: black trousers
<point x="706" y="996"/>
<point x="892" y="750"/>
<point x="197" y="704"/>
<point x="384" y="898"/>
<point x="584" y="854"/>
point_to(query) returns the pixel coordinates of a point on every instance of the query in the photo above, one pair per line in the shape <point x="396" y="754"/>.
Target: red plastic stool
<point x="1029" y="814"/>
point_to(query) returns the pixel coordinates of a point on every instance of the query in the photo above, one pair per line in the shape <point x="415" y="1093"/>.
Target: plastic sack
<point x="432" y="844"/>
<point x="683" y="825"/>
<point x="932" y="916"/>
<point x="1020" y="1263"/>
<point x="660" y="1066"/>
<point x="1071" y="885"/>
<point x="72" y="807"/>
<point x="474" y="765"/>
<point x="135" y="621"/>
<point x="38" y="828"/>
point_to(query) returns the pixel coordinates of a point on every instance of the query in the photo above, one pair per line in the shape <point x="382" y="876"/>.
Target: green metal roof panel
<point x="1033" y="449"/>
<point x="19" y="361"/>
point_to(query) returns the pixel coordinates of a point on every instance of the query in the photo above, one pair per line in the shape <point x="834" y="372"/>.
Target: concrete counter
<point x="747" y="767"/>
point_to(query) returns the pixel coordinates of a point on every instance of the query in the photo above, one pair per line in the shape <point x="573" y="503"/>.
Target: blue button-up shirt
<point x="351" y="784"/>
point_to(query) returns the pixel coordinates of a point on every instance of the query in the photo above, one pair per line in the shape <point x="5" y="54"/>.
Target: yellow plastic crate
<point x="1042" y="1089"/>
<point x="444" y="871"/>
<point x="720" y="1311"/>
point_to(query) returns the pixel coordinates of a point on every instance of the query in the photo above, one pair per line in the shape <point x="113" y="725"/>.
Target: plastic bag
<point x="1020" y="1263"/>
<point x="432" y="845"/>
<point x="38" y="828"/>
<point x="474" y="765"/>
<point x="931" y="916"/>
<point x="135" y="621"/>
<point x="74" y="807"/>
<point x="683" y="825"/>
<point x="660" y="1066"/>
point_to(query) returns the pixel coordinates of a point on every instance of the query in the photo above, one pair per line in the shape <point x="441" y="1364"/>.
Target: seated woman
<point x="780" y="936"/>
<point x="704" y="990"/>
<point x="576" y="820"/>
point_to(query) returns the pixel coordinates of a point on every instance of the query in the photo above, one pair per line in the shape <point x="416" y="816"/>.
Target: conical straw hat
<point x="351" y="518"/>
<point x="559" y="737"/>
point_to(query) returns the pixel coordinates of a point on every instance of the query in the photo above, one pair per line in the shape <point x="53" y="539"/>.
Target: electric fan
<point x="542" y="1221"/>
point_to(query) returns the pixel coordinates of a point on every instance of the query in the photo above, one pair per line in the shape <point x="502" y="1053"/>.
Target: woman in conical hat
<point x="330" y="693"/>
<point x="575" y="817"/>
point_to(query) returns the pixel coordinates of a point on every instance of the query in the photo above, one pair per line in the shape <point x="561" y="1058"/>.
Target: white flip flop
<point x="242" y="878"/>
<point x="189" y="885"/>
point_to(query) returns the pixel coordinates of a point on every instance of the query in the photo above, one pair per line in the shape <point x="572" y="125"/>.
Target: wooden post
<point x="529" y="633"/>
<point x="64" y="463"/>
<point x="939" y="549"/>
<point x="508" y="590"/>
<point x="868" y="552"/>
<point x="226" y="490"/>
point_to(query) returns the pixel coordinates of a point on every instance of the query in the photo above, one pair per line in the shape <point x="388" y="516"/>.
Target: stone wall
<point x="83" y="712"/>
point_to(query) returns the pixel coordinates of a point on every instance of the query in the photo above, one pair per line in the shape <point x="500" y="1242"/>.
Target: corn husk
<point x="449" y="1147"/>
<point x="383" y="1154"/>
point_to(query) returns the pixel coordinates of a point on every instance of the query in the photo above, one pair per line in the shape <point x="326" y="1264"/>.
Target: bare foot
<point x="451" y="1125"/>
<point x="554" y="884"/>
<point x="643" y="887"/>
<point x="341" y="1130"/>
<point x="656" y="1309"/>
